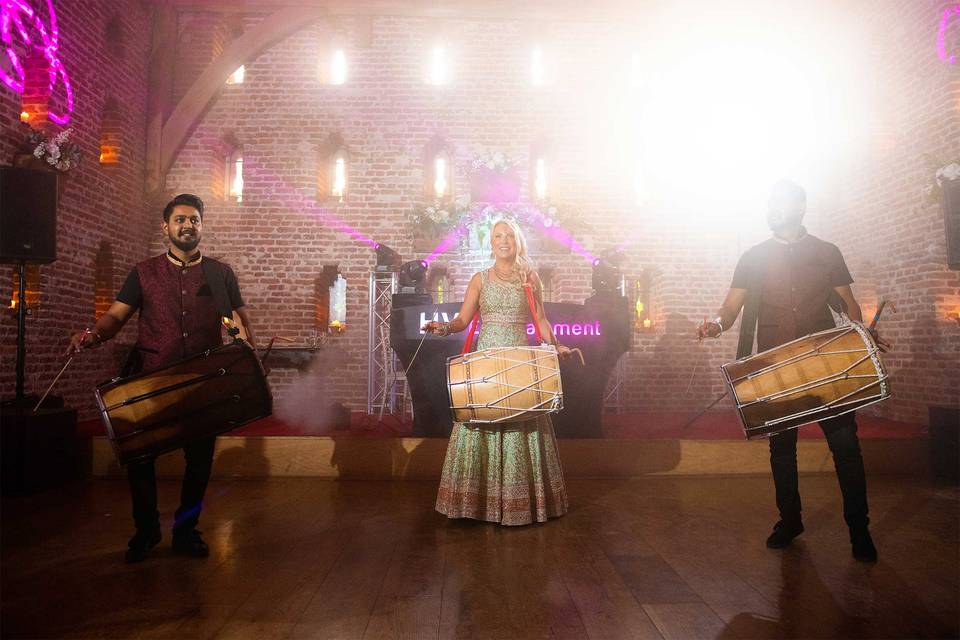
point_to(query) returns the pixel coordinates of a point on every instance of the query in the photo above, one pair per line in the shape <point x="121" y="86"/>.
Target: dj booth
<point x="600" y="328"/>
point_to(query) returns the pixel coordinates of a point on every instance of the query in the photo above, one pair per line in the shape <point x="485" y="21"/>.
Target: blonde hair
<point x="522" y="262"/>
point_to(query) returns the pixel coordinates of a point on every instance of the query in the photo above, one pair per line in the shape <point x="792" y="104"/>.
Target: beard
<point x="778" y="221"/>
<point x="187" y="242"/>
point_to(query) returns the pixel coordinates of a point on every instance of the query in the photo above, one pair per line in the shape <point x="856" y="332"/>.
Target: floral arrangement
<point x="438" y="217"/>
<point x="948" y="172"/>
<point x="497" y="162"/>
<point x="58" y="151"/>
<point x="479" y="220"/>
<point x="933" y="192"/>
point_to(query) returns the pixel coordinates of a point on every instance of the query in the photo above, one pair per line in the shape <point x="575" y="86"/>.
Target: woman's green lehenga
<point x="510" y="472"/>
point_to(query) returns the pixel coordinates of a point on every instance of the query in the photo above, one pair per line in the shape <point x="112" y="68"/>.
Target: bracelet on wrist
<point x="719" y="322"/>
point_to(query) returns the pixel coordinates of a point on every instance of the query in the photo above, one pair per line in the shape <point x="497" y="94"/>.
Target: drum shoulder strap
<point x="528" y="290"/>
<point x="214" y="274"/>
<point x="751" y="306"/>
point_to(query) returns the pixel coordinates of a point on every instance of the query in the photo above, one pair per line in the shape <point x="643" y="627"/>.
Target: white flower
<point x="51" y="160"/>
<point x="38" y="152"/>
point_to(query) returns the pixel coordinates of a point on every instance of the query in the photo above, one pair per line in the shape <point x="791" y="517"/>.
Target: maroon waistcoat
<point x="178" y="314"/>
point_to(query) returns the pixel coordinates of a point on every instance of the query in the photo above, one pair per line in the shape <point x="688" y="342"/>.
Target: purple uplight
<point x="12" y="14"/>
<point x="948" y="13"/>
<point x="563" y="237"/>
<point x="445" y="244"/>
<point x="298" y="201"/>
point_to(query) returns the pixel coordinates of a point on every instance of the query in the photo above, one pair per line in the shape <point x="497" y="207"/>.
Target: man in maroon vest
<point x="785" y="286"/>
<point x="179" y="317"/>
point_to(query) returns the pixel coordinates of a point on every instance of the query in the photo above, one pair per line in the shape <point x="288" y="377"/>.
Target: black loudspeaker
<point x="951" y="220"/>
<point x="945" y="443"/>
<point x="28" y="215"/>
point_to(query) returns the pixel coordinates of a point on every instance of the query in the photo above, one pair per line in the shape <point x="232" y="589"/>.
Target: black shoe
<point x="190" y="543"/>
<point x="140" y="544"/>
<point x="783" y="534"/>
<point x="862" y="543"/>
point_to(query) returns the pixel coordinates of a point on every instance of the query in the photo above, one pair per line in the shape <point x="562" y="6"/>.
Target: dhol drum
<point x="207" y="394"/>
<point x="504" y="384"/>
<point x="819" y="376"/>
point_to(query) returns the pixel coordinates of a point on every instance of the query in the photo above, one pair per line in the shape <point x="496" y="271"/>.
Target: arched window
<point x="103" y="287"/>
<point x="113" y="37"/>
<point x="35" y="99"/>
<point x="438" y="69"/>
<point x="111" y="134"/>
<point x="333" y="170"/>
<point x="237" y="76"/>
<point x="542" y="180"/>
<point x="438" y="183"/>
<point x="233" y="175"/>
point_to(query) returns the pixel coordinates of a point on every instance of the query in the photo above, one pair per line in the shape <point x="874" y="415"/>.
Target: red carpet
<point x="638" y="426"/>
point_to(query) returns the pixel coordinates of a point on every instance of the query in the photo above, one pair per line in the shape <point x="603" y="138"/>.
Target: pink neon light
<point x="12" y="16"/>
<point x="572" y="328"/>
<point x="948" y="13"/>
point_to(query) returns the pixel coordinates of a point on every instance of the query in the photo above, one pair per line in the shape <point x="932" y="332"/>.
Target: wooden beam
<point x="561" y="10"/>
<point x="163" y="48"/>
<point x="201" y="94"/>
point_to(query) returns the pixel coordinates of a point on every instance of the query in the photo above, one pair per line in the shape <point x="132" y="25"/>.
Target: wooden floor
<point x="647" y="558"/>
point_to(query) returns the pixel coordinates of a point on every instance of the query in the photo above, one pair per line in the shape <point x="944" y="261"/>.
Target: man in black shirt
<point x="793" y="276"/>
<point x="176" y="294"/>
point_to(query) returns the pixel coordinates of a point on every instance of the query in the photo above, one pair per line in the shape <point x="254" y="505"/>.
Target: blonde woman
<point x="507" y="473"/>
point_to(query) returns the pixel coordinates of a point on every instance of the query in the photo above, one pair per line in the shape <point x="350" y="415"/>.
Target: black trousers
<point x="841" y="433"/>
<point x="143" y="488"/>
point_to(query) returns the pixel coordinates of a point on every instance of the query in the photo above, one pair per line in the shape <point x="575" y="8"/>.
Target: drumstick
<point x="436" y="311"/>
<point x="86" y="332"/>
<point x="705" y="409"/>
<point x="45" y="393"/>
<point x="876" y="316"/>
<point x="266" y="353"/>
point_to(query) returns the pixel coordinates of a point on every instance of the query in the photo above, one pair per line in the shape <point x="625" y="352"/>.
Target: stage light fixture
<point x="412" y="276"/>
<point x="387" y="258"/>
<point x="606" y="276"/>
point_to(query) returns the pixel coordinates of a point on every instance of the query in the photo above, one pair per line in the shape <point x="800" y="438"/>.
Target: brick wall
<point x="100" y="204"/>
<point x="892" y="235"/>
<point x="280" y="237"/>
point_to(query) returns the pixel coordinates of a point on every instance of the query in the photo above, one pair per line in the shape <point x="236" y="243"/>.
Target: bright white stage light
<point x="737" y="101"/>
<point x="537" y="71"/>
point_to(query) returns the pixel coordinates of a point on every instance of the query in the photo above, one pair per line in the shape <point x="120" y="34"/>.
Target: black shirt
<point x="797" y="280"/>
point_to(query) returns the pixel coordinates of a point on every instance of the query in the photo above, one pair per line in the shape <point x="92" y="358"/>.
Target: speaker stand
<point x="21" y="330"/>
<point x="21" y="400"/>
